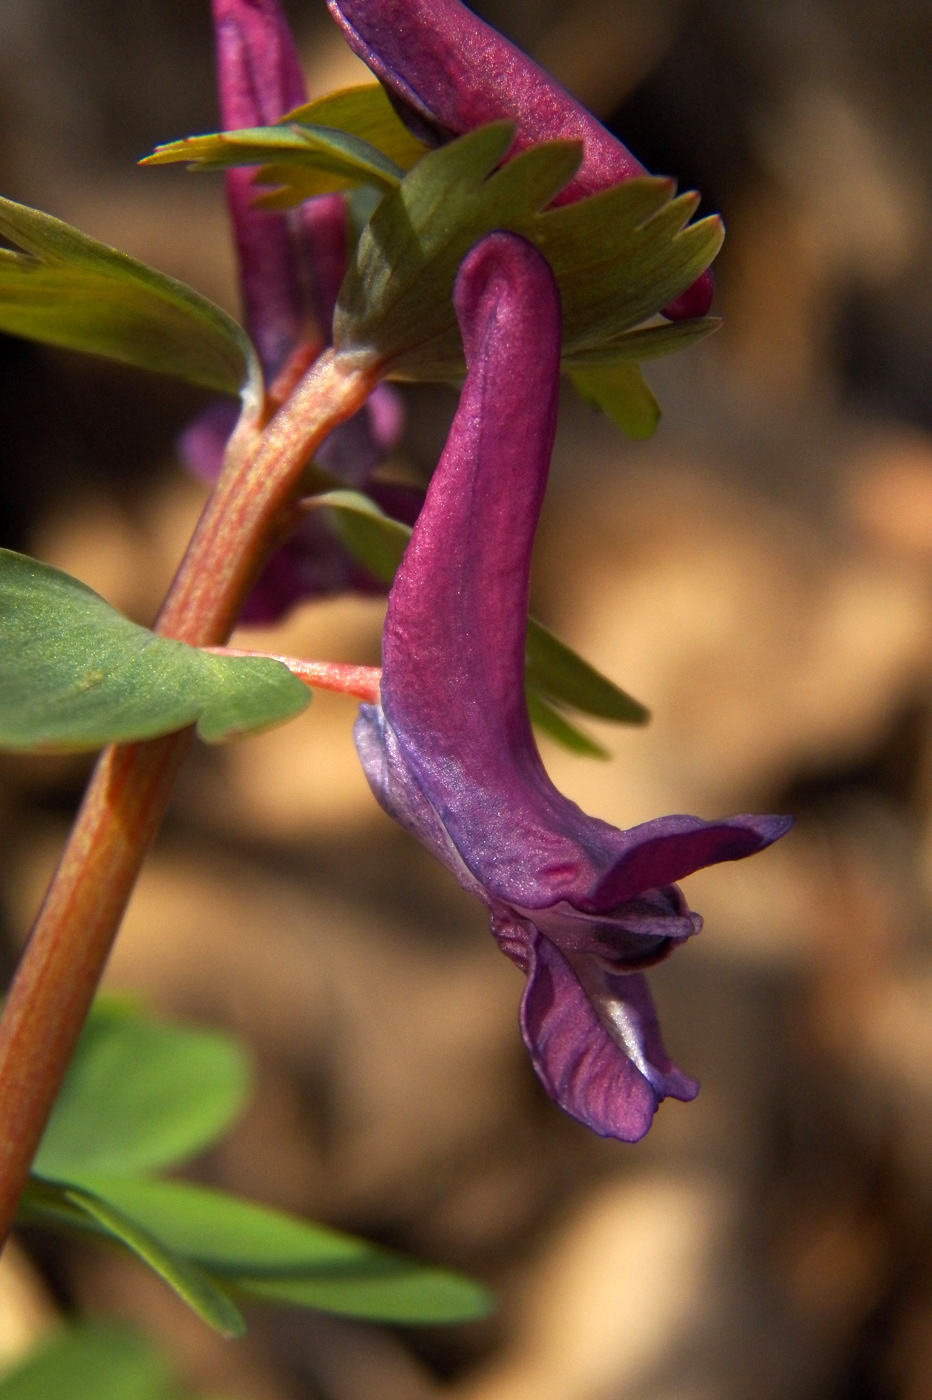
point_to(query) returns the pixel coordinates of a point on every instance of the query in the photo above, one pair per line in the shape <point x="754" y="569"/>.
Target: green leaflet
<point x="551" y="722"/>
<point x="267" y="1254"/>
<point x="66" y="289"/>
<point x="76" y="1207"/>
<point x="346" y="138"/>
<point x="555" y="670"/>
<point x="91" y="1363"/>
<point x="338" y="158"/>
<point x="618" y="256"/>
<point x="364" y="112"/>
<point x="185" y="1087"/>
<point x="77" y="675"/>
<point x="129" y="1104"/>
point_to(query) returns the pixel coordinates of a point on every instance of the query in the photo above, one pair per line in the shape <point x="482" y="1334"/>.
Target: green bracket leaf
<point x="185" y="1088"/>
<point x="264" y="1253"/>
<point x="74" y="1206"/>
<point x="618" y="257"/>
<point x="66" y="289"/>
<point x="130" y="1103"/>
<point x="77" y="675"/>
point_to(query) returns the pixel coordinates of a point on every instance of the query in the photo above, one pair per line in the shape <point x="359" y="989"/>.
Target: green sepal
<point x="264" y="1253"/>
<point x="185" y="1087"/>
<point x="91" y="1362"/>
<point x="67" y="289"/>
<point x="76" y="1207"/>
<point x="557" y="727"/>
<point x="77" y="674"/>
<point x="618" y="256"/>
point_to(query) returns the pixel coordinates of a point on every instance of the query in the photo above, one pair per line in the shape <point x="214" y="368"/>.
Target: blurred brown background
<point x="760" y="575"/>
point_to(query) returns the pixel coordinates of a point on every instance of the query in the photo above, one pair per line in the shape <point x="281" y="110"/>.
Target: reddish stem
<point x="74" y="931"/>
<point x="361" y="681"/>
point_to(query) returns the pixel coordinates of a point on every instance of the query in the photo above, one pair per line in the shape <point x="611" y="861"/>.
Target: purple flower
<point x="291" y="265"/>
<point x="580" y="906"/>
<point x="448" y="72"/>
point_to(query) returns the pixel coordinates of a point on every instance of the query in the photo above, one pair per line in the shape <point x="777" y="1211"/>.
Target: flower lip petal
<point x="631" y="937"/>
<point x="597" y="1049"/>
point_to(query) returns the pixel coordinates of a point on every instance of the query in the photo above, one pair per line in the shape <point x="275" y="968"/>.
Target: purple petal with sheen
<point x="448" y="72"/>
<point x="611" y="1077"/>
<point x="580" y="906"/>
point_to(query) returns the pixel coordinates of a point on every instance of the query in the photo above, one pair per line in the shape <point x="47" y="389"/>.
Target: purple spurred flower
<point x="447" y="72"/>
<point x="580" y="906"/>
<point x="291" y="265"/>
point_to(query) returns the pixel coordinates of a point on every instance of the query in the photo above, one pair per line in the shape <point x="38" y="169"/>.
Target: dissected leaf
<point x="76" y="1206"/>
<point x="91" y="1363"/>
<point x="268" y="1254"/>
<point x="77" y="675"/>
<point x="618" y="256"/>
<point x="140" y="1094"/>
<point x="622" y="393"/>
<point x="558" y="727"/>
<point x="66" y="289"/>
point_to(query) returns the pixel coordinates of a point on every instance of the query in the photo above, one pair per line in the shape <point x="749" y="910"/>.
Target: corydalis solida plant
<point x="580" y="906"/>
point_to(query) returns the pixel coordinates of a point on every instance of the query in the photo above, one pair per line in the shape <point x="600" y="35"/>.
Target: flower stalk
<point x="71" y="939"/>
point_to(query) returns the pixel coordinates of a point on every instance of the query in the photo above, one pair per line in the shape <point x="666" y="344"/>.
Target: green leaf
<point x="649" y="343"/>
<point x="76" y="1206"/>
<point x="337" y="158"/>
<point x="555" y="670"/>
<point x="77" y="675"/>
<point x="364" y="112"/>
<point x="346" y="138"/>
<point x="66" y="289"/>
<point x="91" y="1363"/>
<point x="268" y="1254"/>
<point x="552" y="723"/>
<point x="140" y="1094"/>
<point x="622" y="393"/>
<point x="618" y="257"/>
<point x="367" y="533"/>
